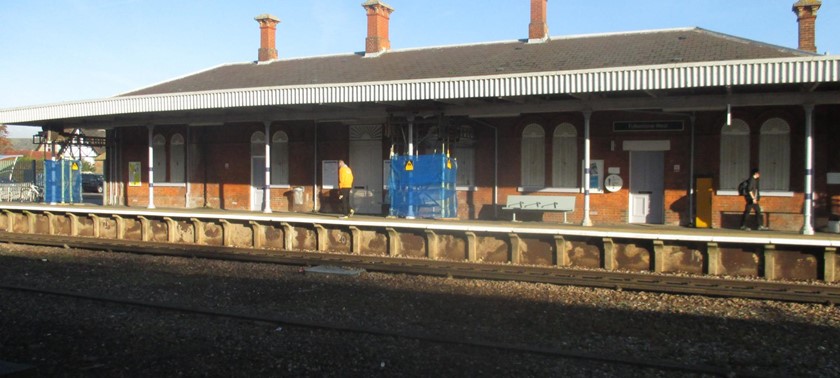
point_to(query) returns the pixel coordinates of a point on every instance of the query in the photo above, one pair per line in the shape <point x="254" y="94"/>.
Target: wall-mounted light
<point x="728" y="115"/>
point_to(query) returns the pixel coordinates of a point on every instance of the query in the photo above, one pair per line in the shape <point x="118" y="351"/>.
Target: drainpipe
<point x="691" y="215"/>
<point x="315" y="171"/>
<point x="495" y="166"/>
<point x="807" y="228"/>
<point x="187" y="170"/>
<point x="587" y="115"/>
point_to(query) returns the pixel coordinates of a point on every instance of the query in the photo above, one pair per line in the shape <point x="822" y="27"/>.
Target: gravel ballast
<point x="61" y="336"/>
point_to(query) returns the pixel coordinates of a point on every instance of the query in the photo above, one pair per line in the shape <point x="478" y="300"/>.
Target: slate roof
<point x="558" y="54"/>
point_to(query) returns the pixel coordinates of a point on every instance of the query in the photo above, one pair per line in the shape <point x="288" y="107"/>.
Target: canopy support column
<point x="267" y="185"/>
<point x="807" y="221"/>
<point x="587" y="115"/>
<point x="151" y="167"/>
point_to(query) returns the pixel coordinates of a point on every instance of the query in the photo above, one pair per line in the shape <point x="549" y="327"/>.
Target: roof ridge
<point x="756" y="42"/>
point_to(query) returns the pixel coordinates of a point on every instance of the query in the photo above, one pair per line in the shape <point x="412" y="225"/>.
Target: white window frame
<point x="564" y="157"/>
<point x="774" y="156"/>
<point x="177" y="154"/>
<point x="280" y="159"/>
<point x="159" y="158"/>
<point x="734" y="156"/>
<point x="532" y="166"/>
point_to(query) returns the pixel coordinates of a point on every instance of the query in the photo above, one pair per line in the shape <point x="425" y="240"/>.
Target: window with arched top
<point x="176" y="159"/>
<point x="257" y="144"/>
<point x="533" y="156"/>
<point x="280" y="158"/>
<point x="564" y="165"/>
<point x="734" y="154"/>
<point x="774" y="155"/>
<point x="159" y="158"/>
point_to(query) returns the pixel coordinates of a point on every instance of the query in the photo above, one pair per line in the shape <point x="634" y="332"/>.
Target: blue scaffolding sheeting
<point x="423" y="186"/>
<point x="63" y="181"/>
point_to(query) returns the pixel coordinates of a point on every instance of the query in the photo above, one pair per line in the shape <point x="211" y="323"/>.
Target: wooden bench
<point x="564" y="204"/>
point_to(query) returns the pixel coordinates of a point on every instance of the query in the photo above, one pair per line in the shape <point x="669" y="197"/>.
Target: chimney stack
<point x="379" y="15"/>
<point x="268" y="31"/>
<point x="538" y="28"/>
<point x="806" y="15"/>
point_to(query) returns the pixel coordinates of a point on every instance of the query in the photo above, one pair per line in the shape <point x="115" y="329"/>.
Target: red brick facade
<point x="220" y="170"/>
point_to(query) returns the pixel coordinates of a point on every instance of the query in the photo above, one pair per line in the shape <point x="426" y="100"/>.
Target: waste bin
<point x="298" y="195"/>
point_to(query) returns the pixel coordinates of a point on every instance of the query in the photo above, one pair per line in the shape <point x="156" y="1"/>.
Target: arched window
<point x="159" y="159"/>
<point x="564" y="156"/>
<point x="533" y="156"/>
<point x="176" y="158"/>
<point x="280" y="158"/>
<point x="257" y="144"/>
<point x="734" y="154"/>
<point x="774" y="155"/>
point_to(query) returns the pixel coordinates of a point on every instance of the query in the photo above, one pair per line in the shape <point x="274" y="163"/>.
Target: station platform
<point x="771" y="254"/>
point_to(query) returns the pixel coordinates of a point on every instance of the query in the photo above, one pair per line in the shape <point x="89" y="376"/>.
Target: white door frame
<point x="644" y="146"/>
<point x="365" y="149"/>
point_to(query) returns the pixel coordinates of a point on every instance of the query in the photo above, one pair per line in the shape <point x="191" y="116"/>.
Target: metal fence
<point x="21" y="180"/>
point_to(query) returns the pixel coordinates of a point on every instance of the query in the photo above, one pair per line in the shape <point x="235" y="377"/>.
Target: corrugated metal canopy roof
<point x="666" y="60"/>
<point x="513" y="57"/>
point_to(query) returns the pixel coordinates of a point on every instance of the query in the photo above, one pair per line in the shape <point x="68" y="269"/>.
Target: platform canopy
<point x="672" y="70"/>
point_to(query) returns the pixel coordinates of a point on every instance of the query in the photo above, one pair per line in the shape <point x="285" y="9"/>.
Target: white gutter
<point x="800" y="70"/>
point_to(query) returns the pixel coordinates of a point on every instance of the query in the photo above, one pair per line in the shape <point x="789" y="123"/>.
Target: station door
<point x="366" y="163"/>
<point x="647" y="187"/>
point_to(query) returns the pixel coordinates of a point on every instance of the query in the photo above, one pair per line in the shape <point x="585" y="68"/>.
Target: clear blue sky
<point x="65" y="50"/>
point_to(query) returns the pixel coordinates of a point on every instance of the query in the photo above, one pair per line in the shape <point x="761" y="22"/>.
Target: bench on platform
<point x="564" y="204"/>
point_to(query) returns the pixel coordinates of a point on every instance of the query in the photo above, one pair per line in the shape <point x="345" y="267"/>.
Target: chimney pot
<point x="538" y="28"/>
<point x="806" y="16"/>
<point x="379" y="15"/>
<point x="268" y="31"/>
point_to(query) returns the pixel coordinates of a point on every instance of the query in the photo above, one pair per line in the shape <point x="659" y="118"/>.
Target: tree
<point x="5" y="143"/>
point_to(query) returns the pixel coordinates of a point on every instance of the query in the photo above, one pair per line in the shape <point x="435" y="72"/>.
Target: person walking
<point x="345" y="183"/>
<point x="752" y="195"/>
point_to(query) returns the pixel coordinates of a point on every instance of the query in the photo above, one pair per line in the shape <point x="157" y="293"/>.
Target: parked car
<point x="92" y="182"/>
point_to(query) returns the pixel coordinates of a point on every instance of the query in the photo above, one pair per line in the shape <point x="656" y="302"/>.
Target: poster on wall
<point x="596" y="174"/>
<point x="134" y="174"/>
<point x="329" y="174"/>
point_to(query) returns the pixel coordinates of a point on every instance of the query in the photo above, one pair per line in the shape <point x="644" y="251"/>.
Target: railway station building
<point x="650" y="127"/>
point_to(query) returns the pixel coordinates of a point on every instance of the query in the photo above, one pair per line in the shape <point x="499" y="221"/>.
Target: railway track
<point x="672" y="284"/>
<point x="630" y="361"/>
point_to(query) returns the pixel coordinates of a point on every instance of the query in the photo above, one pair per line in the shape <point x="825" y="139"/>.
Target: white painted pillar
<point x="587" y="115"/>
<point x="267" y="186"/>
<point x="410" y="211"/>
<point x="151" y="166"/>
<point x="807" y="222"/>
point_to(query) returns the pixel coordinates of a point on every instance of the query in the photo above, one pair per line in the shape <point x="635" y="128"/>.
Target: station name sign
<point x="648" y="126"/>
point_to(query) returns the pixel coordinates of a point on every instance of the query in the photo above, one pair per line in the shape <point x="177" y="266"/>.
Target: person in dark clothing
<point x="752" y="196"/>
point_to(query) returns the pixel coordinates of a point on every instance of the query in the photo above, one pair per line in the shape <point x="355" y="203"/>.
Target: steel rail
<point x="423" y="337"/>
<point x="660" y="283"/>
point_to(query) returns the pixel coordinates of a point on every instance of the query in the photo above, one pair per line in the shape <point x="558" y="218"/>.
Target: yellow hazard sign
<point x="448" y="163"/>
<point x="409" y="165"/>
<point x="74" y="166"/>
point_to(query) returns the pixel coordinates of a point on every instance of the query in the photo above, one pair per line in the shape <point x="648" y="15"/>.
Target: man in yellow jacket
<point x="345" y="183"/>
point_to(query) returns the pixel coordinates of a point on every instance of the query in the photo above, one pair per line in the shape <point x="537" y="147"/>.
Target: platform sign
<point x="134" y="173"/>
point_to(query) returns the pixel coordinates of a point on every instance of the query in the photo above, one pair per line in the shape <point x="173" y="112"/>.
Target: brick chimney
<point x="268" y="30"/>
<point x="538" y="28"/>
<point x="806" y="15"/>
<point x="379" y="15"/>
